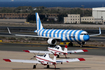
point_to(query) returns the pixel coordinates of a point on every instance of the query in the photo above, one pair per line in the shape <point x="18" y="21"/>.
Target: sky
<point x="48" y="0"/>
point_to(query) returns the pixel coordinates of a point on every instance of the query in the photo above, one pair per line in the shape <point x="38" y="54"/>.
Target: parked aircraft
<point x="45" y="60"/>
<point x="58" y="50"/>
<point x="64" y="35"/>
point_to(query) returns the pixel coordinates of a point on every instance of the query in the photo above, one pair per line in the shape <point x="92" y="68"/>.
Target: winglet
<point x="26" y="51"/>
<point x="99" y="30"/>
<point x="8" y="30"/>
<point x="7" y="60"/>
<point x="97" y="34"/>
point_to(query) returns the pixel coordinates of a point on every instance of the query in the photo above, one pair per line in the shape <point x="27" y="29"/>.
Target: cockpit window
<point x="57" y="47"/>
<point x="84" y="34"/>
<point x="44" y="55"/>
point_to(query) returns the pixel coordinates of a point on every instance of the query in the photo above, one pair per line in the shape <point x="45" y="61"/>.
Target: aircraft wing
<point x="24" y="35"/>
<point x="35" y="51"/>
<point x="70" y="60"/>
<point x="21" y="61"/>
<point x="21" y="35"/>
<point x="76" y="51"/>
<point x="96" y="34"/>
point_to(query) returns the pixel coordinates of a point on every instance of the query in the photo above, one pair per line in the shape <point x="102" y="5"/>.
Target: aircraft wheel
<point x="48" y="66"/>
<point x="34" y="66"/>
<point x="82" y="44"/>
<point x="57" y="56"/>
<point x="70" y="44"/>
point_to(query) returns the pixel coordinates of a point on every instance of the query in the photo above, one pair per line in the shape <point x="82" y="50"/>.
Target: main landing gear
<point x="48" y="66"/>
<point x="70" y="44"/>
<point x="34" y="66"/>
<point x="58" y="56"/>
<point x="81" y="43"/>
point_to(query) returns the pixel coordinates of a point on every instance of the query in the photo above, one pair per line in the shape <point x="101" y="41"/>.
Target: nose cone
<point x="86" y="37"/>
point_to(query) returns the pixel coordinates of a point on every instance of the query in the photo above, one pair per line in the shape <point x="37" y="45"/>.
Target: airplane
<point x="45" y="60"/>
<point x="58" y="50"/>
<point x="64" y="35"/>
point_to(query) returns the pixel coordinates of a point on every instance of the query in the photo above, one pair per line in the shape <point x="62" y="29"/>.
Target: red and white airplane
<point x="58" y="50"/>
<point x="45" y="60"/>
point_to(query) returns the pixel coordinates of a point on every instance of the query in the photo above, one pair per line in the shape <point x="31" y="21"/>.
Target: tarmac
<point x="92" y="62"/>
<point x="95" y="58"/>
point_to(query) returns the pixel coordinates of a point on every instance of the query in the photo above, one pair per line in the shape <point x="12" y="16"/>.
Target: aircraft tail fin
<point x="65" y="49"/>
<point x="38" y="22"/>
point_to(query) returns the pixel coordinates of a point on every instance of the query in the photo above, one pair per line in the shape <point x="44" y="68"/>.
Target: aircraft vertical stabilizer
<point x="38" y="22"/>
<point x="65" y="49"/>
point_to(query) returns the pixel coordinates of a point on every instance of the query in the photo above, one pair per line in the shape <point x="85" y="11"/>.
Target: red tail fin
<point x="65" y="49"/>
<point x="65" y="46"/>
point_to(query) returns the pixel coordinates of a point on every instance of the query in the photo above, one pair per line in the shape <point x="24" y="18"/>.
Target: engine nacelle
<point x="52" y="41"/>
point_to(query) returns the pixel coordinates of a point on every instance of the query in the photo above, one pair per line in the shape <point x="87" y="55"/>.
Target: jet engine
<point x="52" y="41"/>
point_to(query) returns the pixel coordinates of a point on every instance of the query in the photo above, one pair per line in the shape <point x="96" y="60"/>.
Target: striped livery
<point x="63" y="35"/>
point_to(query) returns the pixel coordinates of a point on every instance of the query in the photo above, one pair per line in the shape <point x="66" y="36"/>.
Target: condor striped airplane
<point x="64" y="35"/>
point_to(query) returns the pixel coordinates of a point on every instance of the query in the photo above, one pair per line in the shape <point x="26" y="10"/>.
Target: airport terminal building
<point x="98" y="16"/>
<point x="72" y="18"/>
<point x="99" y="13"/>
